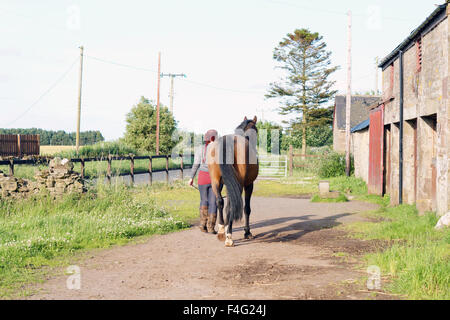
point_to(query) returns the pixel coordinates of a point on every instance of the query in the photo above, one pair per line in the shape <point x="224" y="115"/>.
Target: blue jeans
<point x="208" y="198"/>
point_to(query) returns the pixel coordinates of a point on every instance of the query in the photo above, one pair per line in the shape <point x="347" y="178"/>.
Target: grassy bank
<point x="418" y="262"/>
<point x="305" y="183"/>
<point x="39" y="232"/>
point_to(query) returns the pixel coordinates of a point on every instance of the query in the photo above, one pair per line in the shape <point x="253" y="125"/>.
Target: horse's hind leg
<point x="248" y="194"/>
<point x="217" y="188"/>
<point x="229" y="227"/>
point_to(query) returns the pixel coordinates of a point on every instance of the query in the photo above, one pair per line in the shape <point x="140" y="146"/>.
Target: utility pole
<point x="80" y="82"/>
<point x="349" y="95"/>
<point x="262" y="113"/>
<point x="376" y="75"/>
<point x="172" y="77"/>
<point x="157" y="104"/>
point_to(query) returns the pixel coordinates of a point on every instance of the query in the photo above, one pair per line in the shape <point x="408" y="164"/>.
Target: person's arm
<point x="195" y="165"/>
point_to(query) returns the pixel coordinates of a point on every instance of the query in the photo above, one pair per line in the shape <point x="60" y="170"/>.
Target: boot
<point x="212" y="223"/>
<point x="203" y="218"/>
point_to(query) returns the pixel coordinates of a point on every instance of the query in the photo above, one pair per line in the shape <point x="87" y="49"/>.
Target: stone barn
<point x="411" y="155"/>
<point x="360" y="109"/>
<point x="360" y="149"/>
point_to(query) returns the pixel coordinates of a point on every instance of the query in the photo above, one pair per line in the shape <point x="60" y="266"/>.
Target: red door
<point x="376" y="132"/>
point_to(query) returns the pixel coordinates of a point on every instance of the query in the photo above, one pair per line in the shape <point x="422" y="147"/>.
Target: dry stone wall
<point x="58" y="179"/>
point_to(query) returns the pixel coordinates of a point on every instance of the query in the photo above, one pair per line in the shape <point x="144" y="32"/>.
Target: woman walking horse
<point x="232" y="161"/>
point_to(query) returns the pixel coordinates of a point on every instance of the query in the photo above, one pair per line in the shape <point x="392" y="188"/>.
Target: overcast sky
<point x="224" y="47"/>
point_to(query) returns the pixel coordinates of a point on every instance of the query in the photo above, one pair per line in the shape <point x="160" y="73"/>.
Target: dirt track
<point x="292" y="257"/>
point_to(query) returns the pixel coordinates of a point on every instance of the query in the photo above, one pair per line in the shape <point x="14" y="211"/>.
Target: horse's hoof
<point x="249" y="236"/>
<point x="229" y="243"/>
<point x="221" y="236"/>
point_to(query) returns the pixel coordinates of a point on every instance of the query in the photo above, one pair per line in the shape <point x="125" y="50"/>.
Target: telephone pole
<point x="157" y="104"/>
<point x="172" y="77"/>
<point x="262" y="113"/>
<point x="80" y="82"/>
<point x="349" y="95"/>
<point x="376" y="75"/>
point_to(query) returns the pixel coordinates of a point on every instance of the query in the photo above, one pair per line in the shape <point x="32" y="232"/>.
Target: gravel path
<point x="294" y="256"/>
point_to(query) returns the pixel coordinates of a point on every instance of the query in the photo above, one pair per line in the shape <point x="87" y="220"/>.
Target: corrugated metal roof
<point x="440" y="10"/>
<point x="361" y="126"/>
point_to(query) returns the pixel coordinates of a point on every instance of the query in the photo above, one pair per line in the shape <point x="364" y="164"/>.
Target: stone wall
<point x="57" y="180"/>
<point x="425" y="97"/>
<point x="360" y="150"/>
<point x="15" y="187"/>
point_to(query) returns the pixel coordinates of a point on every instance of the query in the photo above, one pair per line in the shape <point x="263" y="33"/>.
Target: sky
<point x="224" y="47"/>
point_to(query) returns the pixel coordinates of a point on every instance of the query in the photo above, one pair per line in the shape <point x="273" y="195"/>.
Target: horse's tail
<point x="234" y="188"/>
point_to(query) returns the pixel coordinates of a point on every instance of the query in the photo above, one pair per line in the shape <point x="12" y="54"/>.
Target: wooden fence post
<point x="108" y="170"/>
<point x="291" y="160"/>
<point x="19" y="150"/>
<point x="150" y="170"/>
<point x="181" y="167"/>
<point x="82" y="168"/>
<point x="11" y="167"/>
<point x="132" y="168"/>
<point x="167" y="169"/>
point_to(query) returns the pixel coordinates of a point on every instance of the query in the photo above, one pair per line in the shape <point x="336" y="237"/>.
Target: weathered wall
<point x="339" y="140"/>
<point x="360" y="149"/>
<point x="409" y="162"/>
<point x="394" y="164"/>
<point x="424" y="165"/>
<point x="425" y="94"/>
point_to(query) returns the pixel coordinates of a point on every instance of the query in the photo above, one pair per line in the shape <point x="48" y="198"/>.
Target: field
<point x="51" y="150"/>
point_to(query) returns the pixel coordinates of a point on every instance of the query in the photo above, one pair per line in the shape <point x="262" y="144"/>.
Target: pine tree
<point x="306" y="86"/>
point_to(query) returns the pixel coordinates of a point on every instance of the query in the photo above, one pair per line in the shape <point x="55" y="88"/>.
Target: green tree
<point x="60" y="137"/>
<point x="306" y="86"/>
<point x="141" y="127"/>
<point x="269" y="126"/>
<point x="318" y="136"/>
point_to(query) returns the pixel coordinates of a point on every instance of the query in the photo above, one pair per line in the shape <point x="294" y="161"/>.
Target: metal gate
<point x="272" y="166"/>
<point x="376" y="139"/>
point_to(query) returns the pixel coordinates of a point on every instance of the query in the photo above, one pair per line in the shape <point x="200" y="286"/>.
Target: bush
<point x="333" y="166"/>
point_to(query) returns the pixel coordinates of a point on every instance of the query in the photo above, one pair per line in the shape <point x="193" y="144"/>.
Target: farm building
<point x="409" y="128"/>
<point x="360" y="109"/>
<point x="360" y="149"/>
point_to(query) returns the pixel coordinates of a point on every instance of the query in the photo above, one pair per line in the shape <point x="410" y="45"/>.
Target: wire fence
<point x="178" y="163"/>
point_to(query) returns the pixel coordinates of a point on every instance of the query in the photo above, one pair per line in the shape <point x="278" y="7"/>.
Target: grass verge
<point x="418" y="261"/>
<point x="340" y="198"/>
<point x="39" y="232"/>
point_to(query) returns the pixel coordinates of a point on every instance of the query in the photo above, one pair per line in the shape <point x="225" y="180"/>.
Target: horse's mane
<point x="240" y="129"/>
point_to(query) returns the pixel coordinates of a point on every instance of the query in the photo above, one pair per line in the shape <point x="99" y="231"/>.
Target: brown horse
<point x="232" y="161"/>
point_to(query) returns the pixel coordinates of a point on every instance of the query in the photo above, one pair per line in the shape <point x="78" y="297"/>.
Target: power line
<point x="220" y="88"/>
<point x="121" y="64"/>
<point x="183" y="79"/>
<point x="45" y="92"/>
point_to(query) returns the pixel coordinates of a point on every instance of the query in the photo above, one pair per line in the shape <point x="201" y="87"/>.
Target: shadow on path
<point x="297" y="227"/>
